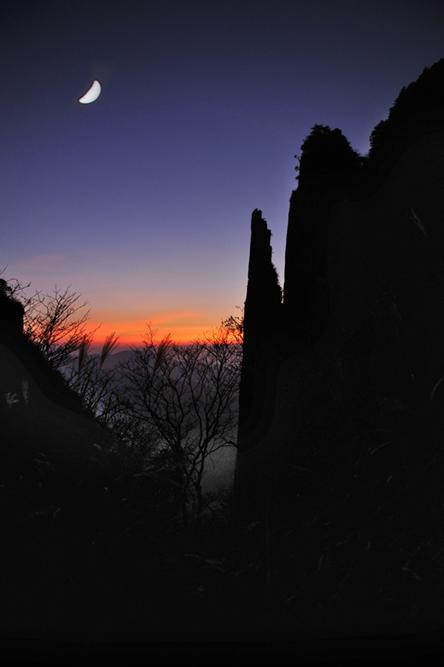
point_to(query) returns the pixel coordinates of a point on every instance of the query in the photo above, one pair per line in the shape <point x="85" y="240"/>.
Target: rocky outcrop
<point x="341" y="455"/>
<point x="262" y="312"/>
<point x="262" y="317"/>
<point x="11" y="315"/>
<point x="354" y="357"/>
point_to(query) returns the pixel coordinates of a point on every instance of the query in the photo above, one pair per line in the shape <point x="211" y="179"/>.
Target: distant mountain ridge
<point x="116" y="358"/>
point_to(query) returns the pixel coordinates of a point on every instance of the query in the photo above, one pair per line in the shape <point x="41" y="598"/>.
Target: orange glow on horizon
<point x="183" y="327"/>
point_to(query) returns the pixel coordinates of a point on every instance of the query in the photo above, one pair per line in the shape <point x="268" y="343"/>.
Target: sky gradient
<point x="142" y="201"/>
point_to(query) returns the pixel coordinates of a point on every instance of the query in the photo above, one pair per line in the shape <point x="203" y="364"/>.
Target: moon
<point x="92" y="93"/>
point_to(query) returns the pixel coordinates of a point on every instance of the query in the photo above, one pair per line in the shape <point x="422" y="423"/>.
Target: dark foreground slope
<point x="93" y="544"/>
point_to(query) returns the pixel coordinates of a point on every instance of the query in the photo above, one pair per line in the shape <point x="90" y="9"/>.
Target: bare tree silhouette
<point x="185" y="397"/>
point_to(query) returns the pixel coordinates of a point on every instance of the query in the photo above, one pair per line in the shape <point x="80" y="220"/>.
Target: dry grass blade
<point x="162" y="348"/>
<point x="110" y="344"/>
<point x="83" y="352"/>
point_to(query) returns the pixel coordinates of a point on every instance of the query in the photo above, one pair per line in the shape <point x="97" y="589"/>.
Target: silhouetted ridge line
<point x="50" y="381"/>
<point x="39" y="412"/>
<point x="418" y="109"/>
<point x="355" y="346"/>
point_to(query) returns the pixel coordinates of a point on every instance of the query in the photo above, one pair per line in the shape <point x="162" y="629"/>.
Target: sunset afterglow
<point x="221" y="359"/>
<point x="183" y="326"/>
<point x="141" y="202"/>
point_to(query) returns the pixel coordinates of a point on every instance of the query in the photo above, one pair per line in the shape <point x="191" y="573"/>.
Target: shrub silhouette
<point x="417" y="108"/>
<point x="327" y="152"/>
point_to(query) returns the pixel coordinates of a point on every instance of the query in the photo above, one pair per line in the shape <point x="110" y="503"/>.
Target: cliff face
<point x="262" y="310"/>
<point x="352" y="357"/>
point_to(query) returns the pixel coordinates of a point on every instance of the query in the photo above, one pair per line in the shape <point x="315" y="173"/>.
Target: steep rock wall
<point x="355" y="354"/>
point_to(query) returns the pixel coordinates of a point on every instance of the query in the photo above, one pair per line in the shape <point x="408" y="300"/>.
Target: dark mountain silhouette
<point x="417" y="111"/>
<point x="339" y="491"/>
<point x="341" y="410"/>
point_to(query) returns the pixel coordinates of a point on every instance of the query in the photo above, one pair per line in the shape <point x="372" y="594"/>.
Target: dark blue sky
<point x="142" y="200"/>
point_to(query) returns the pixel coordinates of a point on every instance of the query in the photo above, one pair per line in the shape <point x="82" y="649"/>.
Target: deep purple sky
<point x="142" y="200"/>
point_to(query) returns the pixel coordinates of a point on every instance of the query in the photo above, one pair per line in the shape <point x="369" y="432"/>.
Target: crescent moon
<point x="92" y="93"/>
